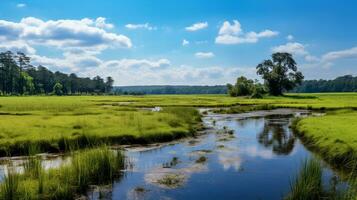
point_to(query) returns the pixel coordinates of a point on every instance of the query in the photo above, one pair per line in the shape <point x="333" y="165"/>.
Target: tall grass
<point x="88" y="167"/>
<point x="308" y="184"/>
<point x="10" y="187"/>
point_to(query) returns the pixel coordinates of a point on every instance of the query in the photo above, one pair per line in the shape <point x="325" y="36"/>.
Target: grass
<point x="57" y="124"/>
<point x="333" y="136"/>
<point x="308" y="184"/>
<point x="91" y="167"/>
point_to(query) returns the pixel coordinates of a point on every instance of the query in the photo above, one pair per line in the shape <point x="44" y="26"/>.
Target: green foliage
<point x="280" y="74"/>
<point x="170" y="89"/>
<point x="346" y="83"/>
<point x="57" y="89"/>
<point x="246" y="87"/>
<point x="18" y="77"/>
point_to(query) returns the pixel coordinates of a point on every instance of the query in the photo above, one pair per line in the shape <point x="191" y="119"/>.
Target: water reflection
<point x="276" y="135"/>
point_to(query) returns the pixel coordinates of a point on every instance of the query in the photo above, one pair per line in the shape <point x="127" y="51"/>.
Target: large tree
<point x="280" y="73"/>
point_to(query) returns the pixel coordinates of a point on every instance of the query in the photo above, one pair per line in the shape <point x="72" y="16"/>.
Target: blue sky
<point x="208" y="42"/>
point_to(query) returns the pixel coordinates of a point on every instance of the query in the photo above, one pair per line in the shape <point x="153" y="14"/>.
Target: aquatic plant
<point x="308" y="183"/>
<point x="88" y="167"/>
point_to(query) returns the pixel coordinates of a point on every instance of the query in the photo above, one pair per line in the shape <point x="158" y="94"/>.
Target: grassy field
<point x="64" y="123"/>
<point x="333" y="136"/>
<point x="72" y="122"/>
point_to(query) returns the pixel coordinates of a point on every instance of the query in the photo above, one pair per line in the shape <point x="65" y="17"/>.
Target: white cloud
<point x="335" y="55"/>
<point x="232" y="33"/>
<point x="100" y="23"/>
<point x="140" y="26"/>
<point x="185" y="42"/>
<point x="17" y="46"/>
<point x="296" y="49"/>
<point x="20" y="5"/>
<point x="197" y="26"/>
<point x="204" y="55"/>
<point x="290" y="37"/>
<point x="85" y="34"/>
<point x="293" y="48"/>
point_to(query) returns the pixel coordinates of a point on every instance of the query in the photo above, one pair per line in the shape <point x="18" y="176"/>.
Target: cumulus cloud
<point x="325" y="61"/>
<point x="100" y="23"/>
<point x="204" y="55"/>
<point x="64" y="34"/>
<point x="20" y="5"/>
<point x="146" y="26"/>
<point x="293" y="48"/>
<point x="185" y="42"/>
<point x="296" y="49"/>
<point x="197" y="26"/>
<point x="17" y="46"/>
<point x="232" y="33"/>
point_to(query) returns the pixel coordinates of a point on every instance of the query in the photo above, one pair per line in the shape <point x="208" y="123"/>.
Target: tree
<point x="246" y="87"/>
<point x="280" y="73"/>
<point x="57" y="89"/>
<point x="109" y="84"/>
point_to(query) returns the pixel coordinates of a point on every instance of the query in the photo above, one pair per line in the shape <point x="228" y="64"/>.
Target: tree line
<point x="19" y="77"/>
<point x="346" y="83"/>
<point x="170" y="89"/>
<point x="280" y="74"/>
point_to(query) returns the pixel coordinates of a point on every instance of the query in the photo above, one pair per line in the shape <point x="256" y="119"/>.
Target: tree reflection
<point x="276" y="135"/>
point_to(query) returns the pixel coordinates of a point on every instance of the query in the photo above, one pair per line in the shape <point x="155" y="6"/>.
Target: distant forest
<point x="18" y="77"/>
<point x="170" y="89"/>
<point x="346" y="83"/>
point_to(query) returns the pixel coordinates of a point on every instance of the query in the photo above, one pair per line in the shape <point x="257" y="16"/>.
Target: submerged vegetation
<point x="91" y="167"/>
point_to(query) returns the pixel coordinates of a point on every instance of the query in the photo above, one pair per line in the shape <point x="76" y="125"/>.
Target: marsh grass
<point x="308" y="184"/>
<point x="98" y="166"/>
<point x="9" y="188"/>
<point x="332" y="136"/>
<point x="65" y="131"/>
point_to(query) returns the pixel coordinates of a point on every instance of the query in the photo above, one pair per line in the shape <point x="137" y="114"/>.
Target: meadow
<point x="58" y="124"/>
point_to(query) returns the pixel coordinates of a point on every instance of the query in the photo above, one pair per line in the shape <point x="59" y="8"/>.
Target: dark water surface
<point x="257" y="162"/>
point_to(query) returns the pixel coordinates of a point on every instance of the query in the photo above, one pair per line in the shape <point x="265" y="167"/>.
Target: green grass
<point x="57" y="124"/>
<point x="308" y="184"/>
<point x="90" y="167"/>
<point x="333" y="136"/>
<point x="70" y="122"/>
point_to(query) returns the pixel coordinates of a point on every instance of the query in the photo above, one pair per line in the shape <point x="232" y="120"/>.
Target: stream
<point x="240" y="156"/>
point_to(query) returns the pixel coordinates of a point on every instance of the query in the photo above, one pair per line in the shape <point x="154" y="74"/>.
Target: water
<point x="257" y="160"/>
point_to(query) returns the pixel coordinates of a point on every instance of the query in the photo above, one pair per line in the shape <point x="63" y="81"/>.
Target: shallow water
<point x="257" y="162"/>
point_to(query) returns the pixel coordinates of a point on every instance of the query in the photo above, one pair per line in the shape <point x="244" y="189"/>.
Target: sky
<point x="176" y="42"/>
